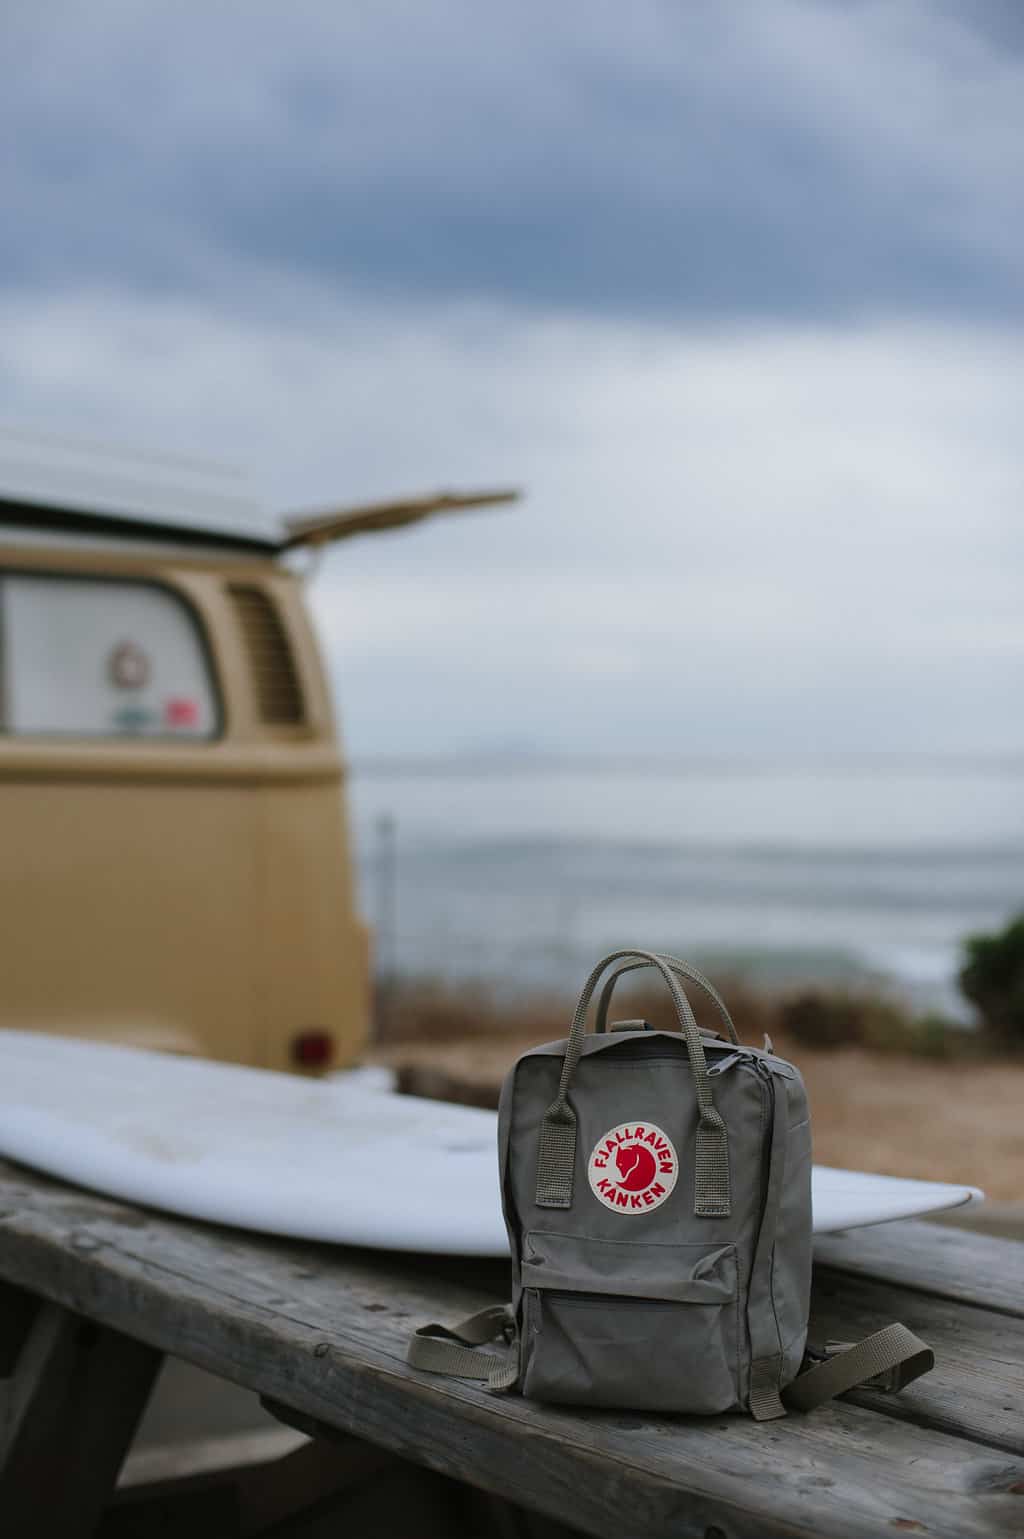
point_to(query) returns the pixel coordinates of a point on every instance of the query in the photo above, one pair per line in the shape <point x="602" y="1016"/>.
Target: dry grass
<point x="905" y="1117"/>
<point x="892" y="1113"/>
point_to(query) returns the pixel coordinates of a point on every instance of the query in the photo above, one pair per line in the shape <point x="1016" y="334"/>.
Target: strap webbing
<point x="556" y="1149"/>
<point x="888" y="1360"/>
<point x="682" y="970"/>
<point x="443" y="1349"/>
<point x="893" y="1356"/>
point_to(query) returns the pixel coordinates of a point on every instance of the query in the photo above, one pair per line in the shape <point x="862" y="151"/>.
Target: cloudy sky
<point x="733" y="290"/>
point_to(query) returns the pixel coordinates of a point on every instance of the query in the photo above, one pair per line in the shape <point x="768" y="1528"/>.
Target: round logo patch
<point x="128" y="666"/>
<point x="633" y="1167"/>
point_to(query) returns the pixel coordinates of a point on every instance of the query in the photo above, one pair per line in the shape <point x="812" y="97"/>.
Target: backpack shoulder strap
<point x="444" y="1349"/>
<point x="888" y="1360"/>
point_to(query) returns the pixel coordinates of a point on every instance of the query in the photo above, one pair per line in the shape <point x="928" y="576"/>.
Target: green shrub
<point x="992" y="978"/>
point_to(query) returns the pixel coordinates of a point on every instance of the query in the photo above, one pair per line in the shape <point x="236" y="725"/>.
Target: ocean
<point x="522" y="874"/>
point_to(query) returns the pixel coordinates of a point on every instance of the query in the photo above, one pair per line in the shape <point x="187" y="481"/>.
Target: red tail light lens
<point x="313" y="1049"/>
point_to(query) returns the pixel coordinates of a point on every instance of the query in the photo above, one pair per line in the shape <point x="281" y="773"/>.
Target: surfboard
<point x="343" y="1159"/>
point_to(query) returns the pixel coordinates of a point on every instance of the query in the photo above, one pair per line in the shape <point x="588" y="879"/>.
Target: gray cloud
<point x="733" y="289"/>
<point x="775" y="540"/>
<point x="692" y="162"/>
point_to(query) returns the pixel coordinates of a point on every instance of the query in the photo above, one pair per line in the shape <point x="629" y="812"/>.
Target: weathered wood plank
<point x="241" y="1487"/>
<point x="78" y="1391"/>
<point x="324" y="1330"/>
<point x="483" y="1514"/>
<point x="977" y="1387"/>
<point x="931" y="1258"/>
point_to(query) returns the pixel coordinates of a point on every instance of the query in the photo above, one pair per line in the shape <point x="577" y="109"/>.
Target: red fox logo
<point x="636" y="1167"/>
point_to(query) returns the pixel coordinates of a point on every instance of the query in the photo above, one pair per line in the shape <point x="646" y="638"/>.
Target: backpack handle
<point x="556" y="1150"/>
<point x="681" y="970"/>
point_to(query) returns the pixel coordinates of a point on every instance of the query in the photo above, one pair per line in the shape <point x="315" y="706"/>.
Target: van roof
<point x="65" y="484"/>
<point x="52" y="482"/>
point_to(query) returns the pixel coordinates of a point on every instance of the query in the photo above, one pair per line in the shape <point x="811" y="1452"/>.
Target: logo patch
<point x="633" y="1167"/>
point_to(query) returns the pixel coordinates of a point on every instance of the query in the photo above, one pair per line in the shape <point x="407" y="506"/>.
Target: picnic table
<point x="93" y="1292"/>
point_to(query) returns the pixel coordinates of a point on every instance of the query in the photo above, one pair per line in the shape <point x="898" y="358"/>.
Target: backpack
<point x="656" y="1189"/>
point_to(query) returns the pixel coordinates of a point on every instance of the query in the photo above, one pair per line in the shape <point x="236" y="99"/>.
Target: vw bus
<point x="176" y="868"/>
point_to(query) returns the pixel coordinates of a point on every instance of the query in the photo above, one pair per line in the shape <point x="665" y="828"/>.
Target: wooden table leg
<point x="72" y="1399"/>
<point x="18" y="1309"/>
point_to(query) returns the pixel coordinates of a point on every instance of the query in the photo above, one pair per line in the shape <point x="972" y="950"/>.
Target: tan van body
<point x="176" y="869"/>
<point x="190" y="895"/>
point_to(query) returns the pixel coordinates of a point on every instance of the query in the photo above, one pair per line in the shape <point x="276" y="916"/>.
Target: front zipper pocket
<point x="641" y="1326"/>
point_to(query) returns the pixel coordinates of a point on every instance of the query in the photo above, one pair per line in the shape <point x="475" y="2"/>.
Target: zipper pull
<point x="725" y="1064"/>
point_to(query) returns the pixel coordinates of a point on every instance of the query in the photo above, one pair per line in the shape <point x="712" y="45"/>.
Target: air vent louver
<point x="275" y="679"/>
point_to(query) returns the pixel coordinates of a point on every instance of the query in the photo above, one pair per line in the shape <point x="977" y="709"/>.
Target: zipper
<point x="718" y="1066"/>
<point x="626" y="1056"/>
<point x="764" y="1074"/>
<point x="570" y="1296"/>
<point x="725" y="1064"/>
<point x="768" y="1093"/>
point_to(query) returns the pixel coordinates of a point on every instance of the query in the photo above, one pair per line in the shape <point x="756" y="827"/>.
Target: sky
<point x="732" y="289"/>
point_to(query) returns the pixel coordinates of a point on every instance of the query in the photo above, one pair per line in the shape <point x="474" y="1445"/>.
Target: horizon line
<point x="498" y="762"/>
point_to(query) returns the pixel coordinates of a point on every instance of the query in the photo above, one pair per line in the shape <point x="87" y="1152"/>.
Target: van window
<point x="101" y="658"/>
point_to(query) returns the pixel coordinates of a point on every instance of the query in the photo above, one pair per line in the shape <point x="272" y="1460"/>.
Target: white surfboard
<point x="342" y="1159"/>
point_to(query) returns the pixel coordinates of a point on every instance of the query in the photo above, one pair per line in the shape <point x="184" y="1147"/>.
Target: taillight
<point x="312" y="1049"/>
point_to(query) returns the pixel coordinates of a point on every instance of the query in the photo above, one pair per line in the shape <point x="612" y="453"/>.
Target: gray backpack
<point x="657" y="1196"/>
